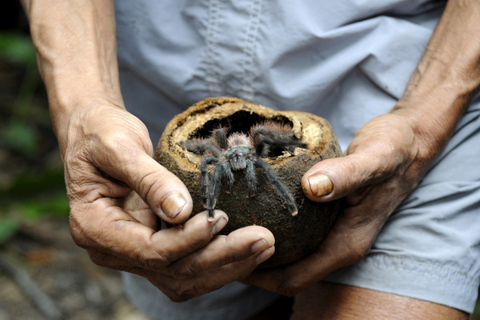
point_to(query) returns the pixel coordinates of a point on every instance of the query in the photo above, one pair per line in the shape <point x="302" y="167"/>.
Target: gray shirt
<point x="345" y="60"/>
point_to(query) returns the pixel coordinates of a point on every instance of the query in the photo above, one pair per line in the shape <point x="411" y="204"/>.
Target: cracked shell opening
<point x="242" y="122"/>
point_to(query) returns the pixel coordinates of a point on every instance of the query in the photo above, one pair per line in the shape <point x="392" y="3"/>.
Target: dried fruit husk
<point x="295" y="236"/>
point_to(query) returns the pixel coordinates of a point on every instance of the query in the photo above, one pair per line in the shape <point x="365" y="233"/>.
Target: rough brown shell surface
<point x="295" y="236"/>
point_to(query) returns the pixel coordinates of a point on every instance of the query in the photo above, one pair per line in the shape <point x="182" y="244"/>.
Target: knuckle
<point x="149" y="184"/>
<point x="98" y="258"/>
<point x="195" y="290"/>
<point x="154" y="185"/>
<point x="185" y="269"/>
<point x="116" y="150"/>
<point x="236" y="257"/>
<point x="188" y="289"/>
<point x="234" y="254"/>
<point x="176" y="297"/>
<point x="156" y="261"/>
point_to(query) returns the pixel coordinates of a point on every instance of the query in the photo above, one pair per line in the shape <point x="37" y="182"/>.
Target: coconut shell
<point x="295" y="236"/>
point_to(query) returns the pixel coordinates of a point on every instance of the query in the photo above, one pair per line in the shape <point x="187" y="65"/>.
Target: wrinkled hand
<point x="116" y="191"/>
<point x="383" y="164"/>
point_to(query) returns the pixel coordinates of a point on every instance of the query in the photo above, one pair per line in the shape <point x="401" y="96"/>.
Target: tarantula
<point x="239" y="151"/>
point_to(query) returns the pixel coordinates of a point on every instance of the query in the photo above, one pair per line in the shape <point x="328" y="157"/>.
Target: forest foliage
<point x="31" y="175"/>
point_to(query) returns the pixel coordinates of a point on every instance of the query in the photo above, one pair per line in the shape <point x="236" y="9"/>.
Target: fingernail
<point x="265" y="255"/>
<point x="320" y="185"/>
<point x="172" y="205"/>
<point x="222" y="222"/>
<point x="260" y="245"/>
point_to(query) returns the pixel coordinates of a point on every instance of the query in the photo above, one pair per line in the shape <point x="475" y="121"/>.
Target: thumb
<point x="336" y="178"/>
<point x="165" y="194"/>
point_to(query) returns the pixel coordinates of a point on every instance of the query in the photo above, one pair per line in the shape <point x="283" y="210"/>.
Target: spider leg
<point x="213" y="192"/>
<point x="276" y="135"/>
<point x="263" y="144"/>
<point x="200" y="146"/>
<point x="272" y="131"/>
<point x="251" y="177"/>
<point x="221" y="137"/>
<point x="279" y="186"/>
<point x="204" y="174"/>
<point x="228" y="176"/>
<point x="261" y="149"/>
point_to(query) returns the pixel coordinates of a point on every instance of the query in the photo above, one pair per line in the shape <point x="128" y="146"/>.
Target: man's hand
<point x="116" y="192"/>
<point x="391" y="154"/>
<point x="116" y="189"/>
<point x="382" y="165"/>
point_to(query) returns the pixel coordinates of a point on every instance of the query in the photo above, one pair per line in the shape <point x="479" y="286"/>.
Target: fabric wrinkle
<point x="248" y="60"/>
<point x="211" y="60"/>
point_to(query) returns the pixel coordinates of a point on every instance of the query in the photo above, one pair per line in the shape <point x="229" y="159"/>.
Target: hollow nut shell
<point x="295" y="236"/>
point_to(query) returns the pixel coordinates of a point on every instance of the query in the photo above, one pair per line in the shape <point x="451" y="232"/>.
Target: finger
<point x="145" y="247"/>
<point x="336" y="251"/>
<point x="214" y="279"/>
<point x="200" y="283"/>
<point x="347" y="243"/>
<point x="85" y="182"/>
<point x="238" y="246"/>
<point x="179" y="241"/>
<point x="183" y="289"/>
<point x="162" y="190"/>
<point x="121" y="150"/>
<point x="335" y="178"/>
<point x="345" y="247"/>
<point x="223" y="260"/>
<point x="223" y="250"/>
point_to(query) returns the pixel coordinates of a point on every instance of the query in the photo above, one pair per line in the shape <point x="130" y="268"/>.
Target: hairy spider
<point x="239" y="151"/>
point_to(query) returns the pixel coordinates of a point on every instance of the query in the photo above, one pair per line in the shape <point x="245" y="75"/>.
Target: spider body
<point x="242" y="152"/>
<point x="237" y="157"/>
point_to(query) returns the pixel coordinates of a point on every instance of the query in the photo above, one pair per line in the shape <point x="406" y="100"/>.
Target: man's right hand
<point x="117" y="190"/>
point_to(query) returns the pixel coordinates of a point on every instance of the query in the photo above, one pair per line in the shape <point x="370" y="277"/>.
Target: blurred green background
<point x="31" y="173"/>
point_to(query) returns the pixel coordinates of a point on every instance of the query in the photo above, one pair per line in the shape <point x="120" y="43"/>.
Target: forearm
<point x="76" y="52"/>
<point x="447" y="76"/>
